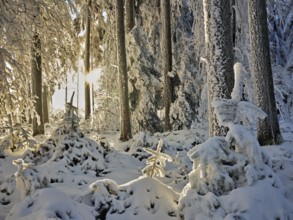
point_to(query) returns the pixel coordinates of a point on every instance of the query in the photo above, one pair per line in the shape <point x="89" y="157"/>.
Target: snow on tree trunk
<point x="167" y="60"/>
<point x="238" y="82"/>
<point x="36" y="77"/>
<point x="125" y="127"/>
<point x="268" y="130"/>
<point x="241" y="47"/>
<point x="220" y="57"/>
<point x="87" y="63"/>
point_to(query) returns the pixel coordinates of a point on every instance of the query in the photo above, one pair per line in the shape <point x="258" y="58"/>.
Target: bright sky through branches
<point x="58" y="98"/>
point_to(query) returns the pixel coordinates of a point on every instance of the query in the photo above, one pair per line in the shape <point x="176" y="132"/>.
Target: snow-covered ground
<point x="98" y="177"/>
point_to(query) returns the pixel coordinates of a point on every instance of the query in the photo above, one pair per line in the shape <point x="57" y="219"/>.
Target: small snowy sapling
<point x="157" y="162"/>
<point x="27" y="179"/>
<point x="71" y="121"/>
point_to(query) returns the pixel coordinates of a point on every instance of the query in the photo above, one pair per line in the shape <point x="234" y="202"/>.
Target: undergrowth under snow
<point x="83" y="178"/>
<point x="70" y="176"/>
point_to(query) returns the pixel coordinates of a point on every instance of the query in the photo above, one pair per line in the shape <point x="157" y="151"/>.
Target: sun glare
<point x="93" y="76"/>
<point x="75" y="83"/>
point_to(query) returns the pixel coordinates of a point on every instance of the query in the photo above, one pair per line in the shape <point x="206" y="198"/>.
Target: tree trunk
<point x="219" y="42"/>
<point x="10" y="103"/>
<point x="233" y="23"/>
<point x="130" y="22"/>
<point x="45" y="105"/>
<point x="77" y="95"/>
<point x="93" y="97"/>
<point x="36" y="76"/>
<point x="125" y="126"/>
<point x="268" y="131"/>
<point x="167" y="60"/>
<point x="87" y="63"/>
<point x="66" y="90"/>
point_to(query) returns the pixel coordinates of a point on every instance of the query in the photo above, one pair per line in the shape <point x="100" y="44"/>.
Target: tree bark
<point x="45" y="105"/>
<point x="87" y="63"/>
<point x="125" y="126"/>
<point x="233" y="23"/>
<point x="130" y="22"/>
<point x="268" y="131"/>
<point x="66" y="90"/>
<point x="167" y="60"/>
<point x="220" y="75"/>
<point x="36" y="77"/>
<point x="93" y="97"/>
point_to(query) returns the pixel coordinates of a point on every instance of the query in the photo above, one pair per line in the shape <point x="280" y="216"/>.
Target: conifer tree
<point x="220" y="76"/>
<point x="45" y="104"/>
<point x="87" y="61"/>
<point x="125" y="126"/>
<point x="167" y="60"/>
<point x="268" y="130"/>
<point x="129" y="8"/>
<point x="36" y="76"/>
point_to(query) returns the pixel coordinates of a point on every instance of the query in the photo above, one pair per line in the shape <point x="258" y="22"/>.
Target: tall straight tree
<point x="130" y="21"/>
<point x="219" y="44"/>
<point x="45" y="104"/>
<point x="167" y="60"/>
<point x="36" y="90"/>
<point x="268" y="131"/>
<point x="125" y="126"/>
<point x="87" y="91"/>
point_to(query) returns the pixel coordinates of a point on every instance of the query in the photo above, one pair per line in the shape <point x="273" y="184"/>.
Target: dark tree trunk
<point x="36" y="75"/>
<point x="93" y="97"/>
<point x="66" y="90"/>
<point x="125" y="126"/>
<point x="167" y="60"/>
<point x="233" y="23"/>
<point x="45" y="105"/>
<point x="220" y="58"/>
<point x="129" y="8"/>
<point x="268" y="131"/>
<point x="87" y="63"/>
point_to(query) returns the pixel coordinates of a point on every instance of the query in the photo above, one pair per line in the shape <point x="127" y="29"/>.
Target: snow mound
<point x="74" y="160"/>
<point x="50" y="204"/>
<point x="232" y="182"/>
<point x="143" y="198"/>
<point x="232" y="177"/>
<point x="74" y="155"/>
<point x="243" y="203"/>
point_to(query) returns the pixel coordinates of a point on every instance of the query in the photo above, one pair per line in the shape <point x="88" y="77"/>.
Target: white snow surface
<point x="101" y="178"/>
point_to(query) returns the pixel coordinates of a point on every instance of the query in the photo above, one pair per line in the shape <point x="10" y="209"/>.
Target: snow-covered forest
<point x="170" y="109"/>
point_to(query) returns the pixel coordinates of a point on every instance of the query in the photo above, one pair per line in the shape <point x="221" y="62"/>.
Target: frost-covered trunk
<point x="129" y="8"/>
<point x="220" y="57"/>
<point x="268" y="130"/>
<point x="241" y="48"/>
<point x="45" y="105"/>
<point x="125" y="127"/>
<point x="233" y="22"/>
<point x="87" y="63"/>
<point x="9" y="115"/>
<point x="36" y="77"/>
<point x="167" y="60"/>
